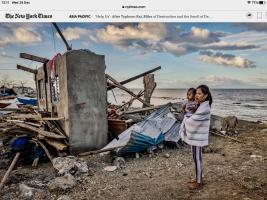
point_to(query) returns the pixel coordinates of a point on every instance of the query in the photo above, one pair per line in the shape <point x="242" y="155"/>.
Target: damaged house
<point x="72" y="87"/>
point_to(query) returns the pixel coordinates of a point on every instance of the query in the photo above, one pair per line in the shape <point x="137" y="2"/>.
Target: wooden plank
<point x="41" y="132"/>
<point x="26" y="116"/>
<point x="27" y="69"/>
<point x="33" y="57"/>
<point x="7" y="130"/>
<point x="135" y="77"/>
<point x="142" y="109"/>
<point x="99" y="151"/>
<point x="58" y="145"/>
<point x="53" y="118"/>
<point x="226" y="136"/>
<point x="127" y="90"/>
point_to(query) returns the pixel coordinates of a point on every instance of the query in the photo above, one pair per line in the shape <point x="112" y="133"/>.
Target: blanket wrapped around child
<point x="195" y="129"/>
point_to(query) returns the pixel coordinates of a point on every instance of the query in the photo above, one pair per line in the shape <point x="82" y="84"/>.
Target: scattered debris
<point x="62" y="183"/>
<point x="70" y="165"/>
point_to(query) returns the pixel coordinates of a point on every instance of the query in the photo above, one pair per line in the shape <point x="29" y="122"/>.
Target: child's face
<point x="190" y="96"/>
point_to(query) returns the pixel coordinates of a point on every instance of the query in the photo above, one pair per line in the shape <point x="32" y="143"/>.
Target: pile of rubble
<point x="30" y="137"/>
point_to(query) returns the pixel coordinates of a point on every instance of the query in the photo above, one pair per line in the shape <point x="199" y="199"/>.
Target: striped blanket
<point x="195" y="129"/>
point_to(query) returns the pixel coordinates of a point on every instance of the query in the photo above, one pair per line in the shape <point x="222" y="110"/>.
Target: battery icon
<point x="262" y="2"/>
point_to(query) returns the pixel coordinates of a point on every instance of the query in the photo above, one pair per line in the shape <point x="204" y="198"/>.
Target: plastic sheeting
<point x="159" y="126"/>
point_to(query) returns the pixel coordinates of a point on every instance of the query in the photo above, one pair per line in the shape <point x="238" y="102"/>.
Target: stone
<point x="137" y="155"/>
<point x="110" y="168"/>
<point x="70" y="165"/>
<point x="27" y="192"/>
<point x="167" y="155"/>
<point x="119" y="162"/>
<point x="63" y="197"/>
<point x="263" y="131"/>
<point x="62" y="183"/>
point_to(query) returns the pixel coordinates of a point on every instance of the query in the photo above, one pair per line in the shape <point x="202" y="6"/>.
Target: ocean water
<point x="248" y="104"/>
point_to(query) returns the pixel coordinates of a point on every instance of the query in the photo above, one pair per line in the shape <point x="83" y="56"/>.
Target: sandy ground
<point x="230" y="173"/>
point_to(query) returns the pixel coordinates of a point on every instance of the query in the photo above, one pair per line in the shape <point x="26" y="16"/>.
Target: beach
<point x="232" y="170"/>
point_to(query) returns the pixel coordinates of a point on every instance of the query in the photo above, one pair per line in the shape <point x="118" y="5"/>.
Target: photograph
<point x="133" y="110"/>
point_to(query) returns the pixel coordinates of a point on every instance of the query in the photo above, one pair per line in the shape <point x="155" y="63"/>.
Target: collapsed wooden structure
<point x="74" y="86"/>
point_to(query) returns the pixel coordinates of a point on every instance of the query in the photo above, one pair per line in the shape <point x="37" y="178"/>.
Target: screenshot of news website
<point x="133" y="99"/>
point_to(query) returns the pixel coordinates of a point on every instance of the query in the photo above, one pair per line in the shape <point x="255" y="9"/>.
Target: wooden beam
<point x="135" y="77"/>
<point x="33" y="57"/>
<point x="27" y="69"/>
<point x="14" y="161"/>
<point x="41" y="132"/>
<point x="62" y="36"/>
<point x="126" y="90"/>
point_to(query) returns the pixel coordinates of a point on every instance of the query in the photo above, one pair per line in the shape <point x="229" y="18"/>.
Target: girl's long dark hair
<point x="205" y="89"/>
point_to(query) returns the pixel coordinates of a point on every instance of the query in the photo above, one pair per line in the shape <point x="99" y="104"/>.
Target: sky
<point x="221" y="55"/>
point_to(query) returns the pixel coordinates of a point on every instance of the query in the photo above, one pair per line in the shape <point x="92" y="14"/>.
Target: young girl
<point x="195" y="131"/>
<point x="190" y="105"/>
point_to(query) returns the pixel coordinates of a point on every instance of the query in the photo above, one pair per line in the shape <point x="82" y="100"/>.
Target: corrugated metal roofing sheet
<point x="158" y="126"/>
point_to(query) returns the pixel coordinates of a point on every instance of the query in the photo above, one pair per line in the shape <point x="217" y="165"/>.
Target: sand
<point x="231" y="171"/>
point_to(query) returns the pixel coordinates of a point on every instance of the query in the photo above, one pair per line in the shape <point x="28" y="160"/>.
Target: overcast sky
<point x="222" y="55"/>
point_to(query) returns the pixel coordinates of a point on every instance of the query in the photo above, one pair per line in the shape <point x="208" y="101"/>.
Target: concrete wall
<point x="86" y="117"/>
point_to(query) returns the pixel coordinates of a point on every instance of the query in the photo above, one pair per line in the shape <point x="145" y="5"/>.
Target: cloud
<point x="222" y="45"/>
<point x="18" y="35"/>
<point x="258" y="39"/>
<point x="226" y="59"/>
<point x="151" y="32"/>
<point x="76" y="33"/>
<point x="164" y="37"/>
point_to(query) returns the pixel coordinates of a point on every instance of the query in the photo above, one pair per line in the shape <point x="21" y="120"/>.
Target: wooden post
<point x="149" y="86"/>
<point x="14" y="161"/>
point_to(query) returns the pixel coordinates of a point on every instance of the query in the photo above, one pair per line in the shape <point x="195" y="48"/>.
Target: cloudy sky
<point x="222" y="55"/>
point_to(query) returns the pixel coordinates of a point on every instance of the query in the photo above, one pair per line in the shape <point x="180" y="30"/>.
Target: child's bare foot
<point x="195" y="186"/>
<point x="192" y="181"/>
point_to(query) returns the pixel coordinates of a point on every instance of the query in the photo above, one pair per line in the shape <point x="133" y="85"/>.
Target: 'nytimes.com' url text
<point x="131" y="6"/>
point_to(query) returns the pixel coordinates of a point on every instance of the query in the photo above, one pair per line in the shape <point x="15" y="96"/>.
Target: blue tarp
<point x="27" y="101"/>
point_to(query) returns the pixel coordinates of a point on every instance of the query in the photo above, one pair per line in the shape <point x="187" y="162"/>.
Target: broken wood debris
<point x="126" y="90"/>
<point x="110" y="87"/>
<point x="43" y="131"/>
